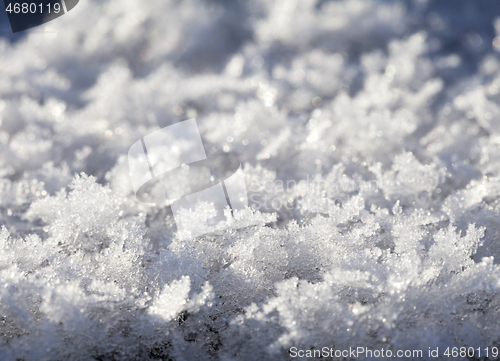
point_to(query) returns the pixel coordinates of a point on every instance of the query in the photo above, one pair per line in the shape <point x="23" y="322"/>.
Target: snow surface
<point x="370" y="140"/>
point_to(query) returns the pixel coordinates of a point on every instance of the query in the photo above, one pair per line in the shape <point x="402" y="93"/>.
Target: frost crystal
<point x="369" y="140"/>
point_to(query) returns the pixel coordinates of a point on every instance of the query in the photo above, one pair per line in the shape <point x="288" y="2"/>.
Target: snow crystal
<point x="369" y="139"/>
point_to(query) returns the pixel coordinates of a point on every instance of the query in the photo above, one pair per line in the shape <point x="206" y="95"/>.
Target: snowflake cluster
<point x="369" y="137"/>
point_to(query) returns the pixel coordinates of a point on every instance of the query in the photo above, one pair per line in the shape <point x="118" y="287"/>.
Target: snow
<point x="369" y="138"/>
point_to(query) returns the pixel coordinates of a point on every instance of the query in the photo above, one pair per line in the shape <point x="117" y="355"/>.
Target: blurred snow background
<point x="388" y="111"/>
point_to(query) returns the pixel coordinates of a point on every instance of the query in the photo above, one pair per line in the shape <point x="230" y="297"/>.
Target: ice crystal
<point x="369" y="137"/>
